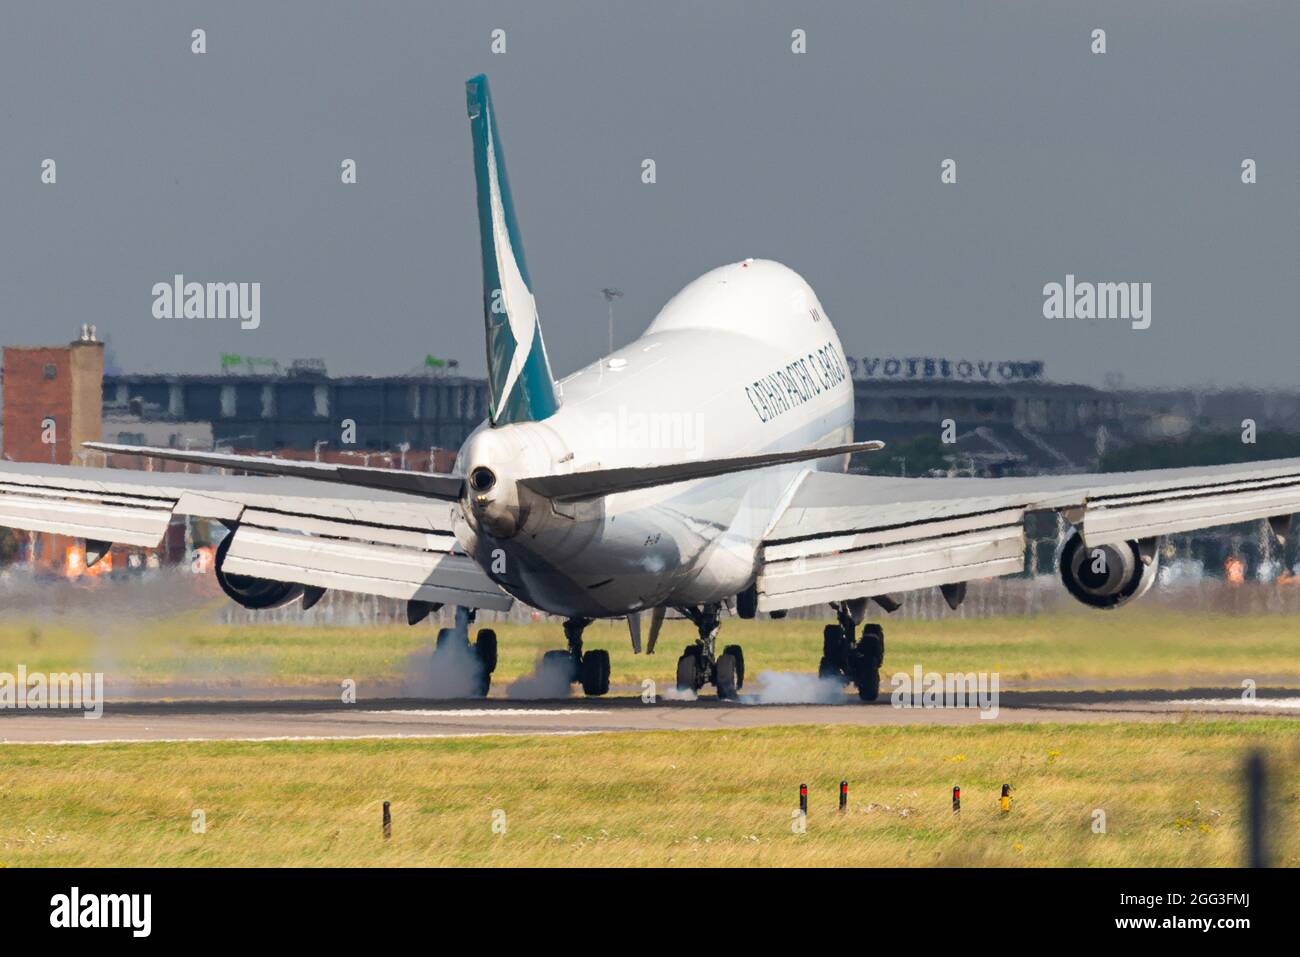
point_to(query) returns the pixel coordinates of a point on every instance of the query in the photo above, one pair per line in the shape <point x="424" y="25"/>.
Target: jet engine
<point x="1107" y="576"/>
<point x="255" y="593"/>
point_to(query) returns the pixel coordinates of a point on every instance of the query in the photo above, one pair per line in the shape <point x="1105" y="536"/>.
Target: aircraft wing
<point x="842" y="536"/>
<point x="375" y="541"/>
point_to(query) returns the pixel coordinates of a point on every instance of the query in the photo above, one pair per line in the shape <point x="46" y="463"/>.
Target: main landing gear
<point x="590" y="669"/>
<point x="698" y="666"/>
<point x="453" y="645"/>
<point x="849" y="659"/>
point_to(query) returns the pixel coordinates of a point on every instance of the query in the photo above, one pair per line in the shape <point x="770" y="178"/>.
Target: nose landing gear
<point x="698" y="665"/>
<point x="853" y="659"/>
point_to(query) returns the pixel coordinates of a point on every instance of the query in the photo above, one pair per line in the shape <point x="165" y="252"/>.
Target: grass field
<point x="1171" y="795"/>
<point x="1142" y="646"/>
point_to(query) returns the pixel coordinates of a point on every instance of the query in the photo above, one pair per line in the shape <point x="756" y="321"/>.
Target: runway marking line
<point x="306" y="737"/>
<point x="487" y="712"/>
<point x="1237" y="702"/>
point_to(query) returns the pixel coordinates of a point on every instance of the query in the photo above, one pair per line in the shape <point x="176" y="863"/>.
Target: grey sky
<point x="226" y="167"/>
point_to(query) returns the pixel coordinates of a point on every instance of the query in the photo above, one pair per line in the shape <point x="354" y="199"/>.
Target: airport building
<point x="52" y="403"/>
<point x="52" y="399"/>
<point x="306" y="409"/>
<point x="1001" y="428"/>
<point x="1007" y="419"/>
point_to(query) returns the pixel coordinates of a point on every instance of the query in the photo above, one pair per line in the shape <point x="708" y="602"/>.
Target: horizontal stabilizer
<point x="577" y="486"/>
<point x="431" y="484"/>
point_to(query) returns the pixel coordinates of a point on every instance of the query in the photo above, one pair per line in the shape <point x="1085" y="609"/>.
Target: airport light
<point x="610" y="295"/>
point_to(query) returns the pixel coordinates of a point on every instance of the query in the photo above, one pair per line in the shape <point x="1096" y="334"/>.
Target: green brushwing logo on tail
<point x="518" y="371"/>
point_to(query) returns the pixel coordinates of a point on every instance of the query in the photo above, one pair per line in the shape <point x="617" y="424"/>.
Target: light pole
<point x="610" y="295"/>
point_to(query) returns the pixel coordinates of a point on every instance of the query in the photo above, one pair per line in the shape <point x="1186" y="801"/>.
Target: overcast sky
<point x="226" y="166"/>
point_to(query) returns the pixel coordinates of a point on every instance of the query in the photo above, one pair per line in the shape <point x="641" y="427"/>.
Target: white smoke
<point x="672" y="693"/>
<point x="452" y="671"/>
<point x="549" y="679"/>
<point x="787" y="687"/>
<point x="109" y="612"/>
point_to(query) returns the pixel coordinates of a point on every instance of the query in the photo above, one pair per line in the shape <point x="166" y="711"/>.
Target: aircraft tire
<point x="688" y="668"/>
<point x="739" y="654"/>
<point x="868" y="682"/>
<point x="486" y="648"/>
<point x="873" y="643"/>
<point x="595" y="672"/>
<point x="832" y="639"/>
<point x="724" y="678"/>
<point x="561" y="661"/>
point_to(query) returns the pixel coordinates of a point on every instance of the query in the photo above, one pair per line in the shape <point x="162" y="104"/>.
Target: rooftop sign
<point x="956" y="370"/>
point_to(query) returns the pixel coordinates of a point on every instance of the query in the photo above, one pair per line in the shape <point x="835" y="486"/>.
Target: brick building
<point x="53" y="401"/>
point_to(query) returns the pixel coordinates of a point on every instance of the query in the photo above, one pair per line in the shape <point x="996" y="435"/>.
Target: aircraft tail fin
<point x="519" y="374"/>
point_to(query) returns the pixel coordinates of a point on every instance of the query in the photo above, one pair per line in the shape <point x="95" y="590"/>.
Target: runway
<point x="271" y="720"/>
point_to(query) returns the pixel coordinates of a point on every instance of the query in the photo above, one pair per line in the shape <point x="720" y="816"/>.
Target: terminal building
<point x="1000" y="428"/>
<point x="1016" y="424"/>
<point x="1007" y="419"/>
<point x="305" y="409"/>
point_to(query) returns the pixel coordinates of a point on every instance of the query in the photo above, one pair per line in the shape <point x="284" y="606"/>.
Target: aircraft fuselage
<point x="743" y="360"/>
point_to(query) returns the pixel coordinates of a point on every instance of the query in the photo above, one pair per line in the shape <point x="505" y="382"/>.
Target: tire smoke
<point x="549" y="679"/>
<point x="786" y="687"/>
<point x="452" y="671"/>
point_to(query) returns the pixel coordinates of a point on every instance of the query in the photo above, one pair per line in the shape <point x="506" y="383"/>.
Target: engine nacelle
<point x="258" y="594"/>
<point x="1107" y="576"/>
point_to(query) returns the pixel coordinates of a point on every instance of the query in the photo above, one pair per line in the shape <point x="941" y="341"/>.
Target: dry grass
<point x="1170" y="792"/>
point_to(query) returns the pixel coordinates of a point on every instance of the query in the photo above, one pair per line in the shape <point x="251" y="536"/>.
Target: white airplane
<point x="699" y="468"/>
